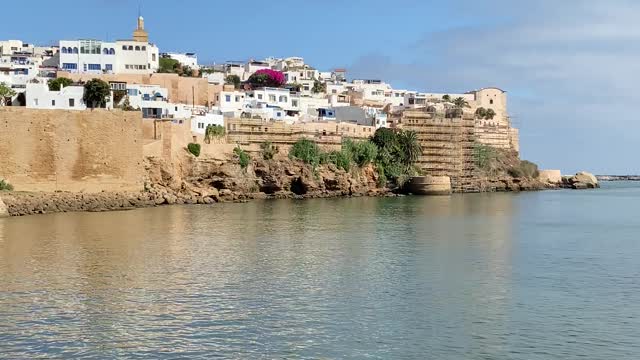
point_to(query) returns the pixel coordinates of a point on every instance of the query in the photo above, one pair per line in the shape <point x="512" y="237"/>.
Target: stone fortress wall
<point x="81" y="151"/>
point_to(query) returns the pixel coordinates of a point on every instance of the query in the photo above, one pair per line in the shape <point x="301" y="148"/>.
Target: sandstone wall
<point x="90" y="151"/>
<point x="182" y="90"/>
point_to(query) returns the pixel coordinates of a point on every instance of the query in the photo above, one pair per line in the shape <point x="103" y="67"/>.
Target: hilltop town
<point x="155" y="104"/>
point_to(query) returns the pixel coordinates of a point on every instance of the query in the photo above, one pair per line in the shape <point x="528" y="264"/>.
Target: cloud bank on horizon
<point x="570" y="68"/>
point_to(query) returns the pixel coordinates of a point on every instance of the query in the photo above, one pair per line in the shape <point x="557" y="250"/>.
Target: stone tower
<point x="140" y="34"/>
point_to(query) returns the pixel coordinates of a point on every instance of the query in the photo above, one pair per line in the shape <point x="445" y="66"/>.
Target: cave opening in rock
<point x="298" y="187"/>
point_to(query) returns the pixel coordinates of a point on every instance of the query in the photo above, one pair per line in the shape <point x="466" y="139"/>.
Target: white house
<point x="136" y="56"/>
<point x="38" y="96"/>
<point x="253" y="66"/>
<point x="231" y="101"/>
<point x="186" y="59"/>
<point x="201" y="120"/>
<point x="153" y="101"/>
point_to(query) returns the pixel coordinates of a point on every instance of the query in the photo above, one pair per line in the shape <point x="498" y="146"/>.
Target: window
<point x="130" y="47"/>
<point x="227" y="98"/>
<point x="95" y="67"/>
<point x="112" y="51"/>
<point x="259" y="96"/>
<point x="64" y="50"/>
<point x="144" y="48"/>
<point x="124" y="47"/>
<point x="70" y="66"/>
<point x="132" y="92"/>
<point x="283" y="98"/>
<point x="137" y="48"/>
<point x="334" y="91"/>
<point x="75" y="50"/>
<point x="105" y="51"/>
<point x="153" y="57"/>
<point x="491" y="101"/>
<point x="108" y="67"/>
<point x="294" y="102"/>
<point x="35" y="102"/>
<point x="306" y="88"/>
<point x="72" y="102"/>
<point x="53" y="103"/>
<point x="237" y="98"/>
<point x="272" y="98"/>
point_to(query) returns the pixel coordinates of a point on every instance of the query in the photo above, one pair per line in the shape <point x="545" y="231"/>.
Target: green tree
<point x="213" y="131"/>
<point x="233" y="80"/>
<point x="307" y="151"/>
<point x="490" y="114"/>
<point x="168" y="65"/>
<point x="319" y="87"/>
<point x="481" y="113"/>
<point x="460" y="103"/>
<point x="5" y="92"/>
<point x="96" y="93"/>
<point x="243" y="158"/>
<point x="58" y="83"/>
<point x="446" y="98"/>
<point x="295" y="87"/>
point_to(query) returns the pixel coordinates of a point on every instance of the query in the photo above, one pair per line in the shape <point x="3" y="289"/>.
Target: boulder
<point x="583" y="180"/>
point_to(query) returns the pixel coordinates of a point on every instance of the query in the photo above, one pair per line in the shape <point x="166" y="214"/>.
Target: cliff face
<point x="283" y="178"/>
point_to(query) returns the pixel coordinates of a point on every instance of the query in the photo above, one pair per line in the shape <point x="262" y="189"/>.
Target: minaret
<point x="140" y="34"/>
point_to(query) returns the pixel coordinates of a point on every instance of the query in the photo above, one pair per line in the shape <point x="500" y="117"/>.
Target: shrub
<point x="233" y="80"/>
<point x="5" y="185"/>
<point x="362" y="152"/>
<point x="266" y="78"/>
<point x="213" y="131"/>
<point x="269" y="151"/>
<point x="194" y="149"/>
<point x="483" y="156"/>
<point x="58" y="83"/>
<point x="529" y="169"/>
<point x="340" y="159"/>
<point x="243" y="158"/>
<point x="307" y="151"/>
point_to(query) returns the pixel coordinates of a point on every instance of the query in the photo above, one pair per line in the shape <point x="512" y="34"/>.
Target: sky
<point x="569" y="67"/>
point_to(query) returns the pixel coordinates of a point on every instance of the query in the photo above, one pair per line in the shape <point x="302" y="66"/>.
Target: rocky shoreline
<point x="210" y="182"/>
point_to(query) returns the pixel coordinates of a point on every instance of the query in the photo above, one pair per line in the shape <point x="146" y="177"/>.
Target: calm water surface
<point x="551" y="275"/>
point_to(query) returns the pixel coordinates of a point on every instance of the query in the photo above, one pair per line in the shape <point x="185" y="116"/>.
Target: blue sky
<point x="570" y="67"/>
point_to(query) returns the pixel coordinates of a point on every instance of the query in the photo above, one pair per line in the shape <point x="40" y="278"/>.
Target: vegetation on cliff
<point x="5" y="186"/>
<point x="243" y="158"/>
<point x="493" y="162"/>
<point x="392" y="151"/>
<point x="194" y="149"/>
<point x="5" y="92"/>
<point x="213" y="131"/>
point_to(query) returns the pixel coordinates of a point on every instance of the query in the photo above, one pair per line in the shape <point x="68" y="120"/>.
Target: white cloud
<point x="570" y="67"/>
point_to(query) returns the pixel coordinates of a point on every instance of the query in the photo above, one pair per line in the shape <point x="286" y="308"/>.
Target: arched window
<point x="124" y="47"/>
<point x="75" y="50"/>
<point x="130" y="47"/>
<point x="64" y="50"/>
<point x="69" y="50"/>
<point x="112" y="51"/>
<point x="144" y="48"/>
<point x="137" y="48"/>
<point x="105" y="51"/>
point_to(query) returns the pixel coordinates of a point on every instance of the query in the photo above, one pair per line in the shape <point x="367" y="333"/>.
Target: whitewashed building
<point x="136" y="56"/>
<point x="38" y="96"/>
<point x="186" y="59"/>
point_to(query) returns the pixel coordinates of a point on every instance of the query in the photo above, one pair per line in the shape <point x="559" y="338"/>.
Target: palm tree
<point x="409" y="146"/>
<point x="460" y="102"/>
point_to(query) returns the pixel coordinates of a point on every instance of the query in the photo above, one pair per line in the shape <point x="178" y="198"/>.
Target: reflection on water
<point x="529" y="276"/>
